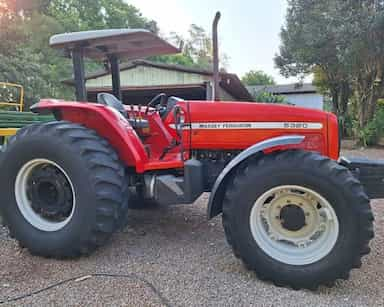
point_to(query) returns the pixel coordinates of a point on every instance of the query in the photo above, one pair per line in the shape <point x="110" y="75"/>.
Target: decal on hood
<point x="253" y="125"/>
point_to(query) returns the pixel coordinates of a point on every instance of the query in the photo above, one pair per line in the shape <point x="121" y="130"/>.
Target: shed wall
<point x="149" y="76"/>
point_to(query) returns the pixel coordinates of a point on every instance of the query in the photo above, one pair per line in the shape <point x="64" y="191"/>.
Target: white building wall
<point x="310" y="100"/>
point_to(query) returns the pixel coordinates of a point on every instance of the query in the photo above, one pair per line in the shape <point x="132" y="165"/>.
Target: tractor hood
<point x="238" y="125"/>
<point x="207" y="111"/>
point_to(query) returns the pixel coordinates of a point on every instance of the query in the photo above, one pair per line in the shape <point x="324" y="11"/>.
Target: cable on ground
<point x="132" y="276"/>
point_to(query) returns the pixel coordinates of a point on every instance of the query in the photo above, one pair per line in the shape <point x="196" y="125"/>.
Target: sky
<point x="248" y="29"/>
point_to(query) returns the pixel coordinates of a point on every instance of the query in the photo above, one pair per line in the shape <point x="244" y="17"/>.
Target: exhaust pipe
<point x="215" y="50"/>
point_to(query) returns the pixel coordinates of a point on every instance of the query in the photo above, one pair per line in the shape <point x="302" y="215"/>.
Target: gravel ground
<point x="188" y="262"/>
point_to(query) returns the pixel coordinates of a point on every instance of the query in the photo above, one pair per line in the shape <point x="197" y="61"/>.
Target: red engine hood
<point x="208" y="111"/>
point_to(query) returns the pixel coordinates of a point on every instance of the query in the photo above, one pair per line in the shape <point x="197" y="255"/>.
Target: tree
<point x="341" y="41"/>
<point x="264" y="96"/>
<point x="367" y="55"/>
<point x="79" y="15"/>
<point x="196" y="51"/>
<point x="25" y="28"/>
<point x="23" y="67"/>
<point x="26" y="25"/>
<point x="310" y="42"/>
<point x="257" y="77"/>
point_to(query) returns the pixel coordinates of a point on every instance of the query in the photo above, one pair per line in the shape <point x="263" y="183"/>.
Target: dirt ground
<point x="173" y="256"/>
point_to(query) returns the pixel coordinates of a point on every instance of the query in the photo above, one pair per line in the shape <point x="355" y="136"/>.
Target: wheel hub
<point x="294" y="224"/>
<point x="292" y="217"/>
<point x="49" y="192"/>
<point x="45" y="195"/>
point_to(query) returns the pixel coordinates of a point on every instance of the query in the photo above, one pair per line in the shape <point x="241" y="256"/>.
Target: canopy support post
<point x="78" y="68"/>
<point x="115" y="71"/>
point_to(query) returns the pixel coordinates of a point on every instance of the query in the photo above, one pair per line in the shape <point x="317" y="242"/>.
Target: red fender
<point x="106" y="122"/>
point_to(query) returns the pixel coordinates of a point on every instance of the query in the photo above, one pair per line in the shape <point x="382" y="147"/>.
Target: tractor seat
<point x="111" y="101"/>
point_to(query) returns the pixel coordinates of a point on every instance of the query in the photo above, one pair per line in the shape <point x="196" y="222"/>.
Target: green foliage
<point x="269" y="97"/>
<point x="79" y="15"/>
<point x="341" y="42"/>
<point x="27" y="59"/>
<point x="25" y="28"/>
<point x="12" y="34"/>
<point x="196" y="51"/>
<point x="257" y="77"/>
<point x="371" y="133"/>
<point x="177" y="59"/>
<point x="24" y="67"/>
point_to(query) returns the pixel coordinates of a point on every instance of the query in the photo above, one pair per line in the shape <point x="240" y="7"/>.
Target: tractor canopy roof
<point x="123" y="43"/>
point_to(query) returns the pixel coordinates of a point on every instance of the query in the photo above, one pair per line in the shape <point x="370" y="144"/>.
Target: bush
<point x="269" y="97"/>
<point x="374" y="130"/>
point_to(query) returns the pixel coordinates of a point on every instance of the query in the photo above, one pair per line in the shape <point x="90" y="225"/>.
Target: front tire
<point x="63" y="189"/>
<point x="297" y="218"/>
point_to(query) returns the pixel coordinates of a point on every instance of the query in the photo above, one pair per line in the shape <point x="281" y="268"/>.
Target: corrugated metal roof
<point x="294" y="88"/>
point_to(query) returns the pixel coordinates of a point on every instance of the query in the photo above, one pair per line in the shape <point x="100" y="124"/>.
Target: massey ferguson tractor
<point x="293" y="210"/>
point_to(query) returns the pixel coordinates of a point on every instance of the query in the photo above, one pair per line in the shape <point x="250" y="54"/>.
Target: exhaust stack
<point x="215" y="50"/>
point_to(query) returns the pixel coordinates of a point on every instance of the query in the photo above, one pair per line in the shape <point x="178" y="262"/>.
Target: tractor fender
<point x="217" y="193"/>
<point x="107" y="122"/>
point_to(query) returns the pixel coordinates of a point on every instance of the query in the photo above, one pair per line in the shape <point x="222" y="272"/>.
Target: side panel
<point x="237" y="125"/>
<point x="106" y="122"/>
<point x="369" y="172"/>
<point x="217" y="193"/>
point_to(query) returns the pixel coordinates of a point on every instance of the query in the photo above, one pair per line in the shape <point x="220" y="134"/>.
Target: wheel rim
<point x="45" y="195"/>
<point x="294" y="225"/>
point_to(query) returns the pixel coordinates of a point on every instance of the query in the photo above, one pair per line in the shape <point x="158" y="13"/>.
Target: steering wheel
<point x="163" y="100"/>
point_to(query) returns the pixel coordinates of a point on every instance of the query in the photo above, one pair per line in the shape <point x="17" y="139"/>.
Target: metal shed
<point x="142" y="79"/>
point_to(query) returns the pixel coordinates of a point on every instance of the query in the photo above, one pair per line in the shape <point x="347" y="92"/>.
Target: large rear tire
<point x="63" y="189"/>
<point x="297" y="219"/>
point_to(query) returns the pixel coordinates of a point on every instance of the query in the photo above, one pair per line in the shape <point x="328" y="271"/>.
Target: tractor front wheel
<point x="298" y="219"/>
<point x="63" y="189"/>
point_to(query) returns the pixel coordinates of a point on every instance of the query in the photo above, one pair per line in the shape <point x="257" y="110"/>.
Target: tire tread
<point x="103" y="166"/>
<point x="297" y="157"/>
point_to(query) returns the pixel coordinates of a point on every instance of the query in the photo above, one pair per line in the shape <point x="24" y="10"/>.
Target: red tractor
<point x="293" y="210"/>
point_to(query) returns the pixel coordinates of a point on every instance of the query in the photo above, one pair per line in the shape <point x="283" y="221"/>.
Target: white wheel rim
<point x="24" y="204"/>
<point x="311" y="243"/>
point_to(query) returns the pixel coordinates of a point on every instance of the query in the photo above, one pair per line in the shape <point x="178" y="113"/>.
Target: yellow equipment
<point x="11" y="95"/>
<point x="8" y="97"/>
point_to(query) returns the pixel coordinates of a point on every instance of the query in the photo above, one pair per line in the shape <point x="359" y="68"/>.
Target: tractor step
<point x="369" y="172"/>
<point x="171" y="189"/>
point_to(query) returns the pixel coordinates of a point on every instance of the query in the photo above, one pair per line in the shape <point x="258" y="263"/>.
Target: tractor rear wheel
<point x="63" y="189"/>
<point x="297" y="219"/>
